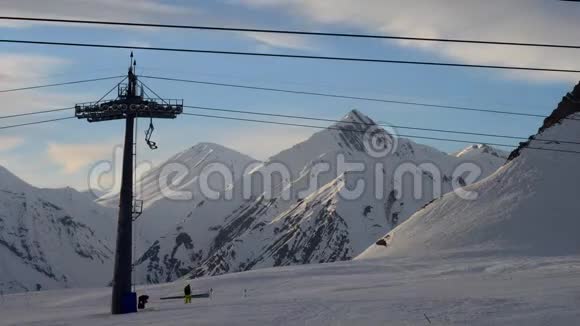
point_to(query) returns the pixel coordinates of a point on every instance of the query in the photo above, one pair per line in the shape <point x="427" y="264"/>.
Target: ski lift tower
<point x="129" y="105"/>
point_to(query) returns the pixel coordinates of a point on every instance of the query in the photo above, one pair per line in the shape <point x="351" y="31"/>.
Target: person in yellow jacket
<point x="187" y="292"/>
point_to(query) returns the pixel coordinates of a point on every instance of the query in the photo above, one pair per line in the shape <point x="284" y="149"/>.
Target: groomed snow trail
<point x="397" y="291"/>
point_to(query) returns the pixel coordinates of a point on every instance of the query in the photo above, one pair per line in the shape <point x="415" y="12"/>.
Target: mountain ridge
<point x="524" y="208"/>
<point x="316" y="225"/>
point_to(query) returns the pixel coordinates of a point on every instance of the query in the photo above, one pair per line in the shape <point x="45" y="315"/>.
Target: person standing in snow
<point x="187" y="292"/>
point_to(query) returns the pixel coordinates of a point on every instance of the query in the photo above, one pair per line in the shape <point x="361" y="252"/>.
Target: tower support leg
<point x="123" y="257"/>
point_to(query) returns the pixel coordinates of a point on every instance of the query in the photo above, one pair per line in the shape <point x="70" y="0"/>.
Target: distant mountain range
<point x="52" y="238"/>
<point x="298" y="224"/>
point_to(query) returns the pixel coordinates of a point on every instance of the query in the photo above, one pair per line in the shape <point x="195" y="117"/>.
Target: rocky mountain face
<point x="55" y="238"/>
<point x="528" y="207"/>
<point x="565" y="109"/>
<point x="311" y="212"/>
<point x="52" y="238"/>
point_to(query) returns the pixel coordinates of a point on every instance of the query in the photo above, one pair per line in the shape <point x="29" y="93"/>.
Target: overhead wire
<point x="34" y="113"/>
<point x="276" y="115"/>
<point x="59" y="109"/>
<point x="287" y="31"/>
<point x="382" y="100"/>
<point x="290" y="116"/>
<point x="354" y="130"/>
<point x="323" y="120"/>
<point x="299" y="92"/>
<point x="290" y="56"/>
<point x="371" y="124"/>
<point x="153" y="92"/>
<point x="111" y="90"/>
<point x="58" y="84"/>
<point x="35" y="123"/>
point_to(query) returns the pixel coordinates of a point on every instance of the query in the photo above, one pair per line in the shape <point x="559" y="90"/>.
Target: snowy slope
<point x="299" y="224"/>
<point x="530" y="206"/>
<point x="51" y="238"/>
<point x="486" y="157"/>
<point x="469" y="291"/>
<point x="164" y="188"/>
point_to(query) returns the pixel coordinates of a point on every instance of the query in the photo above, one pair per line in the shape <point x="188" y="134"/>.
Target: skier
<point x="142" y="301"/>
<point x="187" y="292"/>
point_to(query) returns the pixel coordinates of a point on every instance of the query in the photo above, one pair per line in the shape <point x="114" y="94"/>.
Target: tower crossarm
<point x="123" y="108"/>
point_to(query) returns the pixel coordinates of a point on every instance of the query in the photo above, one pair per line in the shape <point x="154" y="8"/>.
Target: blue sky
<point x="59" y="154"/>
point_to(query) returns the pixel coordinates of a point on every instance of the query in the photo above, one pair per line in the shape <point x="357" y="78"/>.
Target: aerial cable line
<point x="34" y="113"/>
<point x="294" y="32"/>
<point x="111" y="90"/>
<point x="361" y="131"/>
<point x="291" y="56"/>
<point x="299" y="92"/>
<point x="371" y="124"/>
<point x="324" y="120"/>
<point x="152" y="91"/>
<point x="315" y="127"/>
<point x="58" y="84"/>
<point x="278" y="115"/>
<point x="422" y="104"/>
<point x="60" y="109"/>
<point x="35" y="122"/>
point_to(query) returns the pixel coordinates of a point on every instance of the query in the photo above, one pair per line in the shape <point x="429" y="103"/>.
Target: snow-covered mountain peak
<point x="172" y="189"/>
<point x="205" y="148"/>
<point x="355" y="116"/>
<point x="211" y="146"/>
<point x="477" y="149"/>
<point x="193" y="160"/>
<point x="314" y="222"/>
<point x="569" y="106"/>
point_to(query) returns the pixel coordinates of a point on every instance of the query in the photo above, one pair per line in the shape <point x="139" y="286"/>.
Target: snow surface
<point x="529" y="206"/>
<point x="394" y="291"/>
<point x="52" y="238"/>
<point x="486" y="157"/>
<point x="161" y="212"/>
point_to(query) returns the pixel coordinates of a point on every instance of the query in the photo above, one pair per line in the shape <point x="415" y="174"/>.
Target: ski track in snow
<point x="398" y="291"/>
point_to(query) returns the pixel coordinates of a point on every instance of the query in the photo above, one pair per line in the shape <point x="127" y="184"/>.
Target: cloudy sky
<point x="62" y="153"/>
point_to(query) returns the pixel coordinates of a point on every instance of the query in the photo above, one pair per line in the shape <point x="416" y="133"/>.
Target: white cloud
<point x="515" y="20"/>
<point x="10" y="142"/>
<point x="281" y="40"/>
<point x="149" y="11"/>
<point x="74" y="157"/>
<point x="134" y="10"/>
<point x="23" y="69"/>
<point x="143" y="44"/>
